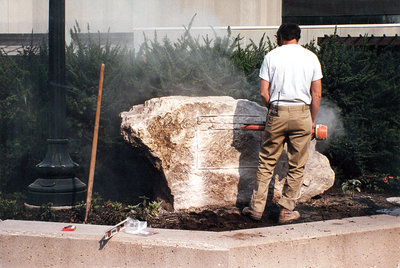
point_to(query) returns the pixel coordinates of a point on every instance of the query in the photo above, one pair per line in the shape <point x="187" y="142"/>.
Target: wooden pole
<point x="94" y="145"/>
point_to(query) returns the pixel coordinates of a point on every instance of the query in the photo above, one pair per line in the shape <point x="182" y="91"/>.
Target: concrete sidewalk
<point x="354" y="242"/>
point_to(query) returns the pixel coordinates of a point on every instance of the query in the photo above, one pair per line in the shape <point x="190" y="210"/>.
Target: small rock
<point x="393" y="200"/>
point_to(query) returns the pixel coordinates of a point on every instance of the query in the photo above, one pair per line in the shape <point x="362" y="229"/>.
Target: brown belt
<point x="290" y="107"/>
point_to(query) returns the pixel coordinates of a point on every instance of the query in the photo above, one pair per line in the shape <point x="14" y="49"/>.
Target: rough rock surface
<point x="206" y="160"/>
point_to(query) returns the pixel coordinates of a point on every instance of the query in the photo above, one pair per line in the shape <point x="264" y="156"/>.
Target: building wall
<point x="249" y="18"/>
<point x="25" y="16"/>
<point x="22" y="16"/>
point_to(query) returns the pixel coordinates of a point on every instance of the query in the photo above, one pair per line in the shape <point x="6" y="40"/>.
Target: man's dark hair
<point x="289" y="31"/>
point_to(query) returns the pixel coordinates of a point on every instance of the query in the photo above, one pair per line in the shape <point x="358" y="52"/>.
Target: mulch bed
<point x="333" y="204"/>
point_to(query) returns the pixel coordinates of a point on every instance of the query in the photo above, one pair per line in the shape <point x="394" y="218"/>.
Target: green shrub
<point x="351" y="186"/>
<point x="47" y="213"/>
<point x="144" y="210"/>
<point x="363" y="82"/>
<point x="191" y="67"/>
<point x="112" y="213"/>
<point x="23" y="96"/>
<point x="10" y="207"/>
<point x="381" y="183"/>
<point x="249" y="61"/>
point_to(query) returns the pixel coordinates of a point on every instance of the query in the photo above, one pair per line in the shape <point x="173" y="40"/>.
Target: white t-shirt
<point x="290" y="69"/>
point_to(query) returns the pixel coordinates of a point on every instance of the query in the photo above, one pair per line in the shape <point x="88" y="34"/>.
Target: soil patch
<point x="333" y="204"/>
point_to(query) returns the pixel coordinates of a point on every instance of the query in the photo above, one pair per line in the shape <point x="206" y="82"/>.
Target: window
<point x="325" y="12"/>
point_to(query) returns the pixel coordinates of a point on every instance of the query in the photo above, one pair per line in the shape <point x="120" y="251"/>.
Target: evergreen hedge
<point x="362" y="82"/>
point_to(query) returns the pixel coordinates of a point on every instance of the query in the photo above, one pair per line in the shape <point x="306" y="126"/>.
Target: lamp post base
<point x="59" y="192"/>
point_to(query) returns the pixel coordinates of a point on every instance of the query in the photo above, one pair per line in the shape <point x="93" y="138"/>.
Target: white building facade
<point x="250" y="18"/>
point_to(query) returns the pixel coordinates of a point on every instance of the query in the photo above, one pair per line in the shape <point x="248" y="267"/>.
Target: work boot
<point x="286" y="215"/>
<point x="254" y="215"/>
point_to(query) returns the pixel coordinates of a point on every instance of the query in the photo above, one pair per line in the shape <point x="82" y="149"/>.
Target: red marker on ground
<point x="69" y="228"/>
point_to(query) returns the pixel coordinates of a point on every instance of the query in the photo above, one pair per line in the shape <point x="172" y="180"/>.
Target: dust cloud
<point x="329" y="115"/>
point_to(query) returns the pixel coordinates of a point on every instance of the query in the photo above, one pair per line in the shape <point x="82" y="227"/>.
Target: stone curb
<point x="353" y="242"/>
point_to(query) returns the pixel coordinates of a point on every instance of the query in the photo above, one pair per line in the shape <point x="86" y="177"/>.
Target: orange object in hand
<point x="253" y="127"/>
<point x="320" y="132"/>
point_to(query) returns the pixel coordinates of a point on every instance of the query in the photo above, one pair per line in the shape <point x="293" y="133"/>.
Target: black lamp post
<point x="57" y="183"/>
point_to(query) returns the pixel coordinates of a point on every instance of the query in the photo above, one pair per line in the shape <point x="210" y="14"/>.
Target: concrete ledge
<point x="354" y="242"/>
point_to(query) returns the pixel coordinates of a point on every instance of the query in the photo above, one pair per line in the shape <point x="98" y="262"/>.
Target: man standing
<point x="291" y="89"/>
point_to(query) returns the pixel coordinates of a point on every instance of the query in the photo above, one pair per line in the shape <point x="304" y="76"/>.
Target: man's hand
<point x="316" y="89"/>
<point x="264" y="92"/>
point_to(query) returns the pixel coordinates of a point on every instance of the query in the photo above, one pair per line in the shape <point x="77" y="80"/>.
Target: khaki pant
<point x="292" y="124"/>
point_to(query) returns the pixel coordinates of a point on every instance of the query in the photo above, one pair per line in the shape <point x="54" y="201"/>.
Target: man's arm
<point x="264" y="92"/>
<point x="316" y="88"/>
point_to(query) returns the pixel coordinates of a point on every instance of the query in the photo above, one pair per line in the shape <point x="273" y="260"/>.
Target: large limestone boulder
<point x="204" y="156"/>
